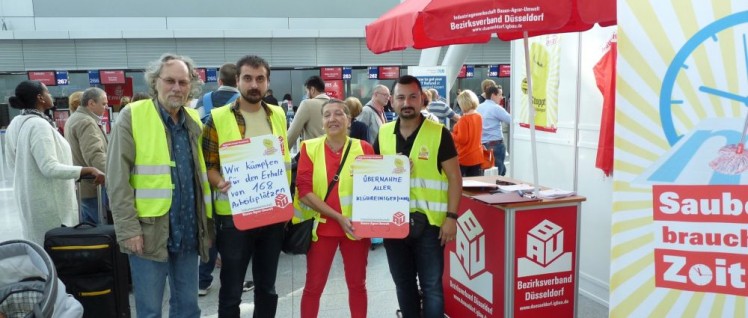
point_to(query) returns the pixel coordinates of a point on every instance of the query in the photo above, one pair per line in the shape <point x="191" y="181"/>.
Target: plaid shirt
<point x="210" y="136"/>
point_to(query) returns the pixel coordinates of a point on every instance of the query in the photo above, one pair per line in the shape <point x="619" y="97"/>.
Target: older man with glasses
<point x="159" y="191"/>
<point x="373" y="113"/>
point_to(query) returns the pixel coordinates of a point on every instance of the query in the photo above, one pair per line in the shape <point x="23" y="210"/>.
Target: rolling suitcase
<point x="88" y="260"/>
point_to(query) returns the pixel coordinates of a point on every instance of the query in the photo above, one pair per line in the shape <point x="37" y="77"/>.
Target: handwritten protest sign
<point x="259" y="193"/>
<point x="381" y="196"/>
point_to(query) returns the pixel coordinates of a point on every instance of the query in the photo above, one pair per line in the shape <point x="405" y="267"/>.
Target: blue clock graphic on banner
<point x="689" y="81"/>
<point x="711" y="33"/>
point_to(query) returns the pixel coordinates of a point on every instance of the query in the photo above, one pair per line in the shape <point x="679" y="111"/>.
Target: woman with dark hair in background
<point x="42" y="165"/>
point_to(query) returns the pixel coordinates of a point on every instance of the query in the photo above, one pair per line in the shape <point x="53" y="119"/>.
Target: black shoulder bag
<point x="298" y="237"/>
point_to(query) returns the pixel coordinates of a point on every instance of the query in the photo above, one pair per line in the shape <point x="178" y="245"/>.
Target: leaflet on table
<point x="381" y="196"/>
<point x="515" y="188"/>
<point x="259" y="193"/>
<point x="467" y="183"/>
<point x="555" y="194"/>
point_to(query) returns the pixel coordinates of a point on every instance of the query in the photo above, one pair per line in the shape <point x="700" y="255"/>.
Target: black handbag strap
<point x="337" y="174"/>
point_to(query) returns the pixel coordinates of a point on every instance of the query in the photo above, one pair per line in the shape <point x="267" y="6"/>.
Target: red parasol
<point x="394" y="30"/>
<point x="431" y="23"/>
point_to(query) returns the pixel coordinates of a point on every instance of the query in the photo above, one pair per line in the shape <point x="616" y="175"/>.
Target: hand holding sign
<point x="224" y="186"/>
<point x="347" y="226"/>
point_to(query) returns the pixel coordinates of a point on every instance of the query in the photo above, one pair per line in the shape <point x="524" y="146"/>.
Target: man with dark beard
<point x="249" y="116"/>
<point x="435" y="191"/>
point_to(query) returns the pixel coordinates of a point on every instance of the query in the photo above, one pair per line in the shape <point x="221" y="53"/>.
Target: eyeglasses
<point x="385" y="95"/>
<point x="172" y="82"/>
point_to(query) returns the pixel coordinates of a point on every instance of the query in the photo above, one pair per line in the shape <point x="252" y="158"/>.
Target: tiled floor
<point x="291" y="276"/>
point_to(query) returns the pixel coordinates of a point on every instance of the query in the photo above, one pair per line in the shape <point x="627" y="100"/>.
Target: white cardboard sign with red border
<point x="381" y="196"/>
<point x="259" y="193"/>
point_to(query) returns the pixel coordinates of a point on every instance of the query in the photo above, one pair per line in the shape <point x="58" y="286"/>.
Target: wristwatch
<point x="452" y="215"/>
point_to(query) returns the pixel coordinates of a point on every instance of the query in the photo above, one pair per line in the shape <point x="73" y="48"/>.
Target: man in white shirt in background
<point x="493" y="115"/>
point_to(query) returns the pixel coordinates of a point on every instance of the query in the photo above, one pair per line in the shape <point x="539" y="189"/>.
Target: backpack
<point x="208" y="104"/>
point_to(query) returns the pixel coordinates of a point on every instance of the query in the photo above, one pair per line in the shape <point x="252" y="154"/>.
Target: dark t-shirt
<point x="270" y="99"/>
<point x="447" y="148"/>
<point x="359" y="130"/>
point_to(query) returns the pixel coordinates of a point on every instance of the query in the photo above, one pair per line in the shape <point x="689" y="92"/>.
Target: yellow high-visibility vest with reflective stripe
<point x="315" y="149"/>
<point x="151" y="176"/>
<point x="428" y="186"/>
<point x="228" y="130"/>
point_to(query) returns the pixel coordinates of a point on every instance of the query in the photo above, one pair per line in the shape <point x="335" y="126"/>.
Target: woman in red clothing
<point x="319" y="162"/>
<point x="467" y="133"/>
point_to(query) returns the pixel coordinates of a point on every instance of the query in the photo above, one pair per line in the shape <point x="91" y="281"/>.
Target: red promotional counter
<point x="513" y="259"/>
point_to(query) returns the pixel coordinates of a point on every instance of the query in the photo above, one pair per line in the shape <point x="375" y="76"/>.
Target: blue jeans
<point x="421" y="257"/>
<point x="90" y="208"/>
<point x="261" y="245"/>
<point x="149" y="279"/>
<point x="205" y="271"/>
<point x="499" y="153"/>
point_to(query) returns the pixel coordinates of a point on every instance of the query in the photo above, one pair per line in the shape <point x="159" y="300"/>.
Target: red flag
<point x="605" y="76"/>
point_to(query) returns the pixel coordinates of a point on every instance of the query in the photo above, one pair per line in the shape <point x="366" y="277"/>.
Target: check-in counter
<point x="517" y="257"/>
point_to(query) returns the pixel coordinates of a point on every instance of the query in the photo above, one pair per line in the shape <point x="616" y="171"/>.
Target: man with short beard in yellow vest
<point x="435" y="192"/>
<point x="249" y="116"/>
<point x="158" y="189"/>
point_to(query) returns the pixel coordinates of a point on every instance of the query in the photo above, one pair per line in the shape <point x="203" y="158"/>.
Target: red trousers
<point x="318" y="263"/>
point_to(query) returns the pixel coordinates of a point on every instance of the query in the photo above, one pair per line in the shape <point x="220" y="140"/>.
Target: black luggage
<point x="88" y="260"/>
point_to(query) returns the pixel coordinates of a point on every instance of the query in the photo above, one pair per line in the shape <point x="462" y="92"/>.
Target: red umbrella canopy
<point x="429" y="23"/>
<point x="394" y="30"/>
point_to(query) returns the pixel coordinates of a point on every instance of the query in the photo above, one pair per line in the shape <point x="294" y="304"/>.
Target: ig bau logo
<point x="545" y="251"/>
<point x="467" y="264"/>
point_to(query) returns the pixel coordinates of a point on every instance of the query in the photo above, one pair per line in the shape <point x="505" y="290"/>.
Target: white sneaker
<point x="203" y="292"/>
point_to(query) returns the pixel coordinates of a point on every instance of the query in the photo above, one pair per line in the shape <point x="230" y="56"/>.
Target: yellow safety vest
<point x="315" y="149"/>
<point x="428" y="186"/>
<point x="228" y="130"/>
<point x="151" y="176"/>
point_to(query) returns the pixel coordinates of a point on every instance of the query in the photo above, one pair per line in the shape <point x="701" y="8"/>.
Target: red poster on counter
<point x="335" y="89"/>
<point x="545" y="262"/>
<point x="112" y="77"/>
<point x="474" y="264"/>
<point x="201" y="73"/>
<point x="61" y="117"/>
<point x="331" y="73"/>
<point x="115" y="91"/>
<point x="463" y="72"/>
<point x="389" y="72"/>
<point x="106" y="121"/>
<point x="46" y="77"/>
